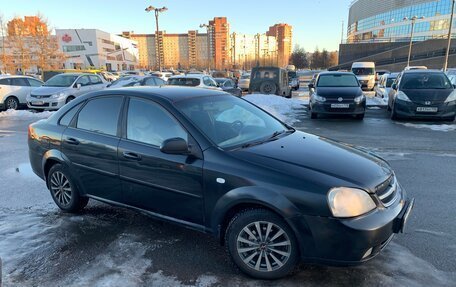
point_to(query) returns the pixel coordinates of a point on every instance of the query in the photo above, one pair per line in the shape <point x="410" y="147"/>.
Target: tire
<point x="64" y="191"/>
<point x="394" y="116"/>
<point x="313" y="115"/>
<point x="11" y="103"/>
<point x="69" y="99"/>
<point x="359" y="117"/>
<point x="254" y="255"/>
<point x="268" y="88"/>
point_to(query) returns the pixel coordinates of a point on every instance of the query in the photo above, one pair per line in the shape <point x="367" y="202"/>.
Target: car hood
<point x="306" y="154"/>
<point x="336" y="92"/>
<point x="434" y="95"/>
<point x="43" y="91"/>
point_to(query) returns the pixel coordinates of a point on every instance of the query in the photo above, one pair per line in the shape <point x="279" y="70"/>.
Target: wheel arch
<point x="50" y="158"/>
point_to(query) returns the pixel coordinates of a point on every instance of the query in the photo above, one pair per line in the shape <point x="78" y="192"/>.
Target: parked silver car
<point x="244" y="82"/>
<point x="62" y="88"/>
<point x="383" y="88"/>
<point x="15" y="89"/>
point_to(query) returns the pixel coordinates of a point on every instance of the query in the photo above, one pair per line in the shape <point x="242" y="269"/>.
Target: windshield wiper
<point x="270" y="138"/>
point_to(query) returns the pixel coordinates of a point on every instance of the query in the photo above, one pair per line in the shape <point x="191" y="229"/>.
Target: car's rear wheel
<point x="11" y="103"/>
<point x="262" y="244"/>
<point x="64" y="191"/>
<point x="268" y="88"/>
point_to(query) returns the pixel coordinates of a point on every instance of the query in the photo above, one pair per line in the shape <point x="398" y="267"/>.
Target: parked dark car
<point x="132" y="81"/>
<point x="337" y="93"/>
<point x="229" y="86"/>
<point x="218" y="164"/>
<point x="270" y="80"/>
<point x="423" y="94"/>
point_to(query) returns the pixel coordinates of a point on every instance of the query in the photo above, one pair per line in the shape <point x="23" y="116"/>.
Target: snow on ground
<point x="282" y="108"/>
<point x="440" y="128"/>
<point x="24" y="115"/>
<point x="376" y="101"/>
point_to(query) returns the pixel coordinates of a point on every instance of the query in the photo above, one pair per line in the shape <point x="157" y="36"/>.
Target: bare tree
<point x="6" y="60"/>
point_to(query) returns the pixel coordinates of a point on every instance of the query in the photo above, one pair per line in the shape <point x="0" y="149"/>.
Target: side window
<point x="19" y="82"/>
<point x="213" y="83"/>
<point x="84" y="81"/>
<point x="100" y="115"/>
<point x="149" y="123"/>
<point x="160" y="82"/>
<point x="228" y="84"/>
<point x="66" y="119"/>
<point x="206" y="81"/>
<point x="95" y="80"/>
<point x="150" y="82"/>
<point x="34" y="83"/>
<point x="5" y="82"/>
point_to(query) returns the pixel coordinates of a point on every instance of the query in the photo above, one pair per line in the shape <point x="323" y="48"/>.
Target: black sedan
<point x="423" y="94"/>
<point x="337" y="93"/>
<point x="229" y="86"/>
<point x="218" y="164"/>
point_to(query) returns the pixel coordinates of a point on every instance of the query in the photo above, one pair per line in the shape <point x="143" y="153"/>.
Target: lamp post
<point x="413" y="19"/>
<point x="157" y="11"/>
<point x="208" y="27"/>
<point x="447" y="54"/>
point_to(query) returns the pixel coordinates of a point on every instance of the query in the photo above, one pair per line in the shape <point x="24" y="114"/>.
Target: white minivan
<point x="365" y="72"/>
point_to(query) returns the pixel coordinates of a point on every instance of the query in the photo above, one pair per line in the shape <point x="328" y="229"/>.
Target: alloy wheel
<point x="61" y="188"/>
<point x="263" y="246"/>
<point x="11" y="104"/>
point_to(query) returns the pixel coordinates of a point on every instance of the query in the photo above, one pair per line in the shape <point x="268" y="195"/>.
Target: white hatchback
<point x="15" y="89"/>
<point x="194" y="80"/>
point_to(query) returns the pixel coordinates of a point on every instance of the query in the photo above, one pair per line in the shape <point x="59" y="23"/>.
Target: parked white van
<point x="365" y="72"/>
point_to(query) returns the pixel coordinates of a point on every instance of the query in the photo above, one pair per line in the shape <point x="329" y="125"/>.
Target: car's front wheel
<point x="262" y="244"/>
<point x="64" y="191"/>
<point x="11" y="103"/>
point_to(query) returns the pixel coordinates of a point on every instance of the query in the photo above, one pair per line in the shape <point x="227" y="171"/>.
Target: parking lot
<point x="110" y="246"/>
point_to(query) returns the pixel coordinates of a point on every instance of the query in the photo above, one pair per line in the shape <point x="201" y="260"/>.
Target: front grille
<point x="39" y="105"/>
<point x="387" y="191"/>
<point x="40" y="96"/>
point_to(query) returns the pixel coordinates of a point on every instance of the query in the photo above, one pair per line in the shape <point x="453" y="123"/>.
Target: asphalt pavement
<point x="111" y="246"/>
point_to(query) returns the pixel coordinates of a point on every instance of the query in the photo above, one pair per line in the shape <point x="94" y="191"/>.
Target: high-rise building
<point x="187" y="50"/>
<point x="248" y="51"/>
<point x="219" y="39"/>
<point x="284" y="36"/>
<point x="30" y="26"/>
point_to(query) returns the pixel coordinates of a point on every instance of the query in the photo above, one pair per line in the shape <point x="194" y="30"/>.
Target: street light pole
<point x="413" y="19"/>
<point x="157" y="11"/>
<point x="447" y="54"/>
<point x="208" y="46"/>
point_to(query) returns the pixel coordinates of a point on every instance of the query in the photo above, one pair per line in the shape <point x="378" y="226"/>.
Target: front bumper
<point x="405" y="109"/>
<point x="352" y="241"/>
<point x="45" y="104"/>
<point x="325" y="108"/>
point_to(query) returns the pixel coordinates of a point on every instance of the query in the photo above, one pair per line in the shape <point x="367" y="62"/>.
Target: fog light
<point x="368" y="253"/>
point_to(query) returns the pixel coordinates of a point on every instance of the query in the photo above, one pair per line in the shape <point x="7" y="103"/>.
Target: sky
<point x="316" y="23"/>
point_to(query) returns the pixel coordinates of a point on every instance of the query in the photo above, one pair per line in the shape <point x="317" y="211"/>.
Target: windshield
<point x="292" y="75"/>
<point x="346" y="80"/>
<point x="61" y="80"/>
<point x="231" y="122"/>
<point x="425" y="81"/>
<point x="188" y="82"/>
<point x="125" y="82"/>
<point x="390" y="82"/>
<point x="220" y="81"/>
<point x="363" y="71"/>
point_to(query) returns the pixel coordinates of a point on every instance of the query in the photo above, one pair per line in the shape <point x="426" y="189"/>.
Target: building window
<point x="73" y="48"/>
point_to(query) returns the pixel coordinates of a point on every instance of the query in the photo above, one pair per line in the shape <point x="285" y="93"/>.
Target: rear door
<point x="20" y="88"/>
<point x="90" y="144"/>
<point x="96" y="83"/>
<point x="169" y="185"/>
<point x="86" y="86"/>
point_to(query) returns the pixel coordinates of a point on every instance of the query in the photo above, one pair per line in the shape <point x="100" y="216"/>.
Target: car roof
<point x="335" y="73"/>
<point x="392" y="75"/>
<point x="422" y="71"/>
<point x="195" y="76"/>
<point x="169" y="93"/>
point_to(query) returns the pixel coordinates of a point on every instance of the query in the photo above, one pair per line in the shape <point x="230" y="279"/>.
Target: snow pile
<point x="440" y="128"/>
<point x="376" y="101"/>
<point x="24" y="115"/>
<point x="284" y="109"/>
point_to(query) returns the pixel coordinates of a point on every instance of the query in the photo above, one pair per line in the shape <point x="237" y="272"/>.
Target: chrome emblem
<point x="340" y="99"/>
<point x="427" y="103"/>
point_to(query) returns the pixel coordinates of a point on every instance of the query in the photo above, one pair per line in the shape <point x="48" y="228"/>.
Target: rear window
<point x="187" y="82"/>
<point x="425" y="81"/>
<point x="337" y="81"/>
<point x="390" y="82"/>
<point x="363" y="71"/>
<point x="292" y="75"/>
<point x="245" y="77"/>
<point x="265" y="74"/>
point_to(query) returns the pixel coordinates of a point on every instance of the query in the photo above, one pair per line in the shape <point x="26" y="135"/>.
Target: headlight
<point x="57" y="96"/>
<point x="451" y="97"/>
<point x="402" y="96"/>
<point x="319" y="98"/>
<point x="349" y="202"/>
<point x="359" y="99"/>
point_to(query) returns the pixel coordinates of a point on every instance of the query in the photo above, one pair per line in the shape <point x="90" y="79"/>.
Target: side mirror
<point x="175" y="146"/>
<point x="394" y="87"/>
<point x="78" y="86"/>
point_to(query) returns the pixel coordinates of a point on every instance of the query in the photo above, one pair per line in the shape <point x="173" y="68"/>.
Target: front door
<point x="170" y="185"/>
<point x="91" y="142"/>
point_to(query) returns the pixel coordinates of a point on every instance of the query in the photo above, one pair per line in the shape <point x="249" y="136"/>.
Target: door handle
<point x="72" y="141"/>
<point x="131" y="155"/>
